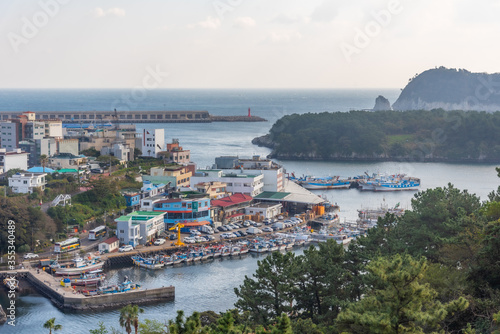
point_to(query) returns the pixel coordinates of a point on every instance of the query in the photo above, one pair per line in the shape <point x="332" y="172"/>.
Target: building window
<point x="121" y="232"/>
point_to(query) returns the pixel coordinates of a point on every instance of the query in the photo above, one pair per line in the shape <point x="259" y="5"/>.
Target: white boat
<point x="395" y="182"/>
<point x="235" y="250"/>
<point x="225" y="251"/>
<point x="78" y="266"/>
<point x="11" y="283"/>
<point x="148" y="263"/>
<point x="259" y="248"/>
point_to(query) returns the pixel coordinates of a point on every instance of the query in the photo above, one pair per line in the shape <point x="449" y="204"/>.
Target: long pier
<point x="133" y="116"/>
<point x="67" y="298"/>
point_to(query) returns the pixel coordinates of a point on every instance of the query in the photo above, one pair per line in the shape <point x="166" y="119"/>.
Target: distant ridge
<point x="451" y="89"/>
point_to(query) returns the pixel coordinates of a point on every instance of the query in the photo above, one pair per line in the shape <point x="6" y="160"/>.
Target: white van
<point x="253" y="230"/>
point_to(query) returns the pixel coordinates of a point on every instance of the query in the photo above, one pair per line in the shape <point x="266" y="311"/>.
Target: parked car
<point x="209" y="237"/>
<point x="253" y="230"/>
<point x="194" y="232"/>
<point x="173" y="237"/>
<point x="159" y="242"/>
<point x="243" y="233"/>
<point x="257" y="224"/>
<point x="226" y="235"/>
<point x="199" y="239"/>
<point x="246" y="223"/>
<point x="267" y="229"/>
<point x="237" y="234"/>
<point x="189" y="240"/>
<point x="30" y="256"/>
<point x="228" y="227"/>
<point x="126" y="248"/>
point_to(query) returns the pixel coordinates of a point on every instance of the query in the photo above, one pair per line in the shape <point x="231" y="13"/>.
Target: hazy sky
<point x="241" y="43"/>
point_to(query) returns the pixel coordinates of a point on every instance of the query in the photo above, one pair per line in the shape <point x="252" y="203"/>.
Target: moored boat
<point x="91" y="278"/>
<point x="148" y="263"/>
<point x="77" y="266"/>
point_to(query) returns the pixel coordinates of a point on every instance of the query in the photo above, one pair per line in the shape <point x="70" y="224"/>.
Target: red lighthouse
<point x="249" y="114"/>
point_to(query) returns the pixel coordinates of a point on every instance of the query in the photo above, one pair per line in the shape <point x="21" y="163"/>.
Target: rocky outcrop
<point x="3" y="316"/>
<point x="263" y="141"/>
<point x="451" y="89"/>
<point x="381" y="103"/>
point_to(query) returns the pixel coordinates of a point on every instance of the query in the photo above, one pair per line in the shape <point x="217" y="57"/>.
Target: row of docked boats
<point x="374" y="182"/>
<point x="199" y="254"/>
<point x="194" y="254"/>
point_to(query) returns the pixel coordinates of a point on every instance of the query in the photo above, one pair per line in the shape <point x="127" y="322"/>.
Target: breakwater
<point x="133" y="117"/>
<point x="68" y="299"/>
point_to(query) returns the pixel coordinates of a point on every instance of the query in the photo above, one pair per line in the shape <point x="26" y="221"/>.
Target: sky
<point x="241" y="43"/>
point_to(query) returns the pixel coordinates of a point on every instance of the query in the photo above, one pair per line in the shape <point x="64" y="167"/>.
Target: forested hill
<point x="435" y="135"/>
<point x="451" y="89"/>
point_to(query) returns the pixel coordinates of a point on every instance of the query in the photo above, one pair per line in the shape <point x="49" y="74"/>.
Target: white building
<point x="153" y="142"/>
<point x="273" y="173"/>
<point x="264" y="210"/>
<point x="67" y="146"/>
<point x="122" y="152"/>
<point x="13" y="159"/>
<point x="53" y="128"/>
<point x="139" y="227"/>
<point x="25" y="183"/>
<point x="109" y="245"/>
<point x="251" y="185"/>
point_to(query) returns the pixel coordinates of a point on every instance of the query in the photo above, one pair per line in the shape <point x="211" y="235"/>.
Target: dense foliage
<point x="388" y="135"/>
<point x="433" y="270"/>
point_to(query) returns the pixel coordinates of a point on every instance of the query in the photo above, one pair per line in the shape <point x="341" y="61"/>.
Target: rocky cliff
<point x="381" y="103"/>
<point x="451" y="89"/>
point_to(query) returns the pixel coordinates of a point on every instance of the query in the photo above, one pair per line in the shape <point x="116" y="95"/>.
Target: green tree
<point x="101" y="330"/>
<point x="129" y="316"/>
<point x="269" y="294"/>
<point x="191" y="325"/>
<point x="283" y="325"/>
<point x="152" y="327"/>
<point x="44" y="160"/>
<point x="51" y="325"/>
<point x="438" y="217"/>
<point x="321" y="282"/>
<point x="399" y="301"/>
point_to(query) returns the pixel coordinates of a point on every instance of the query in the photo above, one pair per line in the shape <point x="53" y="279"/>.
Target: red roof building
<point x="230" y="208"/>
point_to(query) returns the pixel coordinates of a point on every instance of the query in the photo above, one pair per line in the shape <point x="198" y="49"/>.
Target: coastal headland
<point x="134" y="116"/>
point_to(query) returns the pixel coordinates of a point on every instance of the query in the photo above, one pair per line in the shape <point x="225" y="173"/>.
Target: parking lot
<point x="239" y="229"/>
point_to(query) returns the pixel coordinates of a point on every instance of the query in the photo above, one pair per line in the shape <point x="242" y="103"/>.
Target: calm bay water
<point x="210" y="286"/>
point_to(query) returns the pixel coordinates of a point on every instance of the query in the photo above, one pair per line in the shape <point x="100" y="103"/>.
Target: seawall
<point x="67" y="299"/>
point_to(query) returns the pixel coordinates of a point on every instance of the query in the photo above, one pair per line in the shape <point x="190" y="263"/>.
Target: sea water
<point x="211" y="286"/>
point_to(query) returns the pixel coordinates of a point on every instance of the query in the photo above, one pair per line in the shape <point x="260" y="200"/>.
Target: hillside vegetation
<point x="420" y="135"/>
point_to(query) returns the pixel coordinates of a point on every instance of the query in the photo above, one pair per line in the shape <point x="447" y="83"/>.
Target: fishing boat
<point x="225" y="251"/>
<point x="394" y="182"/>
<point x="319" y="183"/>
<point x="91" y="278"/>
<point x="259" y="247"/>
<point x="125" y="286"/>
<point x="11" y="283"/>
<point x="148" y="263"/>
<point x="77" y="266"/>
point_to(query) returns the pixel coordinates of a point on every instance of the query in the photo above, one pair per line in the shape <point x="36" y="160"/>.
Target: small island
<point x="419" y="135"/>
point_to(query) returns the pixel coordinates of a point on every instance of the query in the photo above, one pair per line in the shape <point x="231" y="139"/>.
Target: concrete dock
<point x="66" y="298"/>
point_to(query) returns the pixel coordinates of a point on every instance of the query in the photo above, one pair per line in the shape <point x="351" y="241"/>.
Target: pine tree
<point x="399" y="301"/>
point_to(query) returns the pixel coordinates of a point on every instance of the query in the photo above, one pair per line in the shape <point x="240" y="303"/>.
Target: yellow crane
<point x="178" y="226"/>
